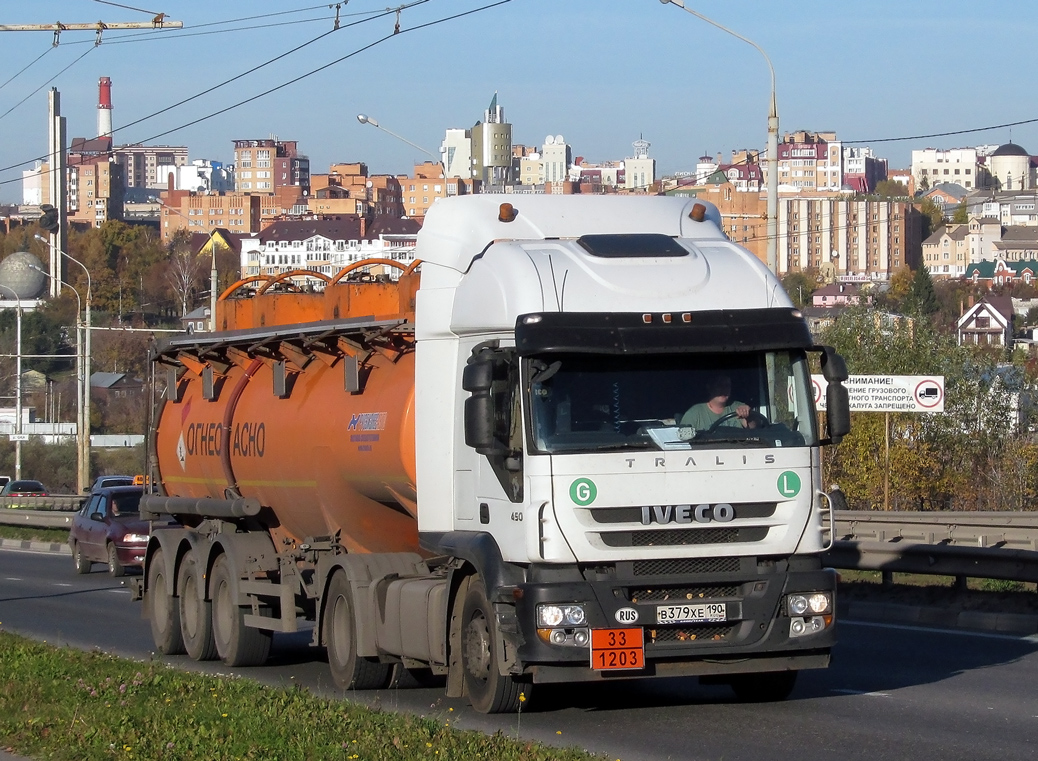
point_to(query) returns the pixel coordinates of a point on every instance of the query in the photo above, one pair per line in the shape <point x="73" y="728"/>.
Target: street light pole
<point x="773" y="130"/>
<point x="84" y="422"/>
<point x="365" y="119"/>
<point x="18" y="388"/>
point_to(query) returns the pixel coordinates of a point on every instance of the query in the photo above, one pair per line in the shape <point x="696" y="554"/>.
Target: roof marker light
<point x="666" y="319"/>
<point x="698" y="213"/>
<point x="507" y="212"/>
<point x="531" y="319"/>
<point x="686" y="317"/>
<point x="646" y="318"/>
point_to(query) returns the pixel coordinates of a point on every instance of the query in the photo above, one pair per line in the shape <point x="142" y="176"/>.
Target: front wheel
<point x="769" y="687"/>
<point x="489" y="691"/>
<point x="349" y="670"/>
<point x="115" y="568"/>
<point x="163" y="611"/>
<point x="237" y="644"/>
<point x="79" y="560"/>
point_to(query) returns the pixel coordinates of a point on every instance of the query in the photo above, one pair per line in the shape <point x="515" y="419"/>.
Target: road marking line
<point x="863" y="692"/>
<point x="11" y="578"/>
<point x="61" y="584"/>
<point x="1033" y="638"/>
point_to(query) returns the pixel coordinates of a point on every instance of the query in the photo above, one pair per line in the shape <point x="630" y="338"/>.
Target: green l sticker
<point x="583" y="491"/>
<point x="789" y="484"/>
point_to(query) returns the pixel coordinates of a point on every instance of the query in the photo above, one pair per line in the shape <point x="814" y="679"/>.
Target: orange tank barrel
<point x="266" y="410"/>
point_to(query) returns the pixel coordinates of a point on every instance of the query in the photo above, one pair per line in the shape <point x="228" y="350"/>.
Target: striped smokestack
<point x="104" y="107"/>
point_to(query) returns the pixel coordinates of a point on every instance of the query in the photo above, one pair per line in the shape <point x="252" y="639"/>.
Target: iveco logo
<point x="720" y="513"/>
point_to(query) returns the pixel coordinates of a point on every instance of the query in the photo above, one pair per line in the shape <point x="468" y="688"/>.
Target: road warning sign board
<point x="888" y="393"/>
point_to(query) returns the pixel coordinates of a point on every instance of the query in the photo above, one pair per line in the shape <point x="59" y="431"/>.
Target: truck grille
<point x="686" y="634"/>
<point x="679" y="537"/>
<point x="681" y="593"/>
<point x="685" y="566"/>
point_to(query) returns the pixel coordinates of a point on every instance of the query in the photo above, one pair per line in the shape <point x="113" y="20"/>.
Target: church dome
<point x="1010" y="149"/>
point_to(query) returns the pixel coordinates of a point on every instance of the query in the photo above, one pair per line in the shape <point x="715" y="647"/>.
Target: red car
<point x="108" y="529"/>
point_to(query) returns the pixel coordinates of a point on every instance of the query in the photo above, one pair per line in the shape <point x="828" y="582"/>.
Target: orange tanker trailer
<point x="263" y="415"/>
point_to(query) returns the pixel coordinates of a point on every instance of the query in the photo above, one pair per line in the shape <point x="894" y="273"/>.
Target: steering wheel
<point x="761" y="420"/>
<point x="721" y="420"/>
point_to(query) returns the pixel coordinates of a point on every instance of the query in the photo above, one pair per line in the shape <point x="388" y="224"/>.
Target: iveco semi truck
<point x="479" y="466"/>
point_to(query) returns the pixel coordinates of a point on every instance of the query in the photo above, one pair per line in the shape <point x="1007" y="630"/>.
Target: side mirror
<point x="838" y="412"/>
<point x="96" y="517"/>
<point x="834" y="369"/>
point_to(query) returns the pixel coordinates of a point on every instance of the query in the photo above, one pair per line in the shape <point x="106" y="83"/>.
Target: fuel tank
<point x="268" y="410"/>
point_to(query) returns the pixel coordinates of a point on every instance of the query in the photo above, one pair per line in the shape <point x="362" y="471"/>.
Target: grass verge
<point x="67" y="704"/>
<point x="59" y="535"/>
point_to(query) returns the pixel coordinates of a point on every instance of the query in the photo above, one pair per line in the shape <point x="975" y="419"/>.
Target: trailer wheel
<point x="488" y="690"/>
<point x="769" y="687"/>
<point x="236" y="643"/>
<point x="82" y="564"/>
<point x="196" y="613"/>
<point x="115" y="568"/>
<point x="163" y="610"/>
<point x="349" y="670"/>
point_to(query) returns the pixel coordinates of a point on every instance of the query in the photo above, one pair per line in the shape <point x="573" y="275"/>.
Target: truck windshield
<point x="593" y="403"/>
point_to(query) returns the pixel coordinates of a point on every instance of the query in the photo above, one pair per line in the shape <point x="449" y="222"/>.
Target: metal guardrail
<point x="52" y="511"/>
<point x="52" y="502"/>
<point x="988" y="545"/>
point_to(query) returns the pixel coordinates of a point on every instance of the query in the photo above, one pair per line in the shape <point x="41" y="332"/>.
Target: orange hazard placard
<point x="617" y="649"/>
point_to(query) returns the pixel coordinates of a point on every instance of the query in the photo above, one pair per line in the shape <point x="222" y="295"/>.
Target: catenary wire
<point x="25" y="68"/>
<point x="291" y="81"/>
<point x="12" y="108"/>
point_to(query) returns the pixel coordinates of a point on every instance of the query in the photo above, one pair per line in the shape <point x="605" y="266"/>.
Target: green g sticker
<point x="789" y="484"/>
<point x="583" y="491"/>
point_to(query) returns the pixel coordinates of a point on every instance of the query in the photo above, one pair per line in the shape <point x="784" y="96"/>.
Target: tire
<point x="80" y="562"/>
<point x="349" y="670"/>
<point x="163" y="609"/>
<point x="769" y="687"/>
<point x="236" y="643"/>
<point x="488" y="690"/>
<point x="115" y="568"/>
<point x="195" y="612"/>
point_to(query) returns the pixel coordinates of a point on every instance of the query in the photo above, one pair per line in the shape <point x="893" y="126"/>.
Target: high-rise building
<point x="639" y="170"/>
<point x="810" y="162"/>
<point x="141" y="164"/>
<point x="492" y="147"/>
<point x="263" y="166"/>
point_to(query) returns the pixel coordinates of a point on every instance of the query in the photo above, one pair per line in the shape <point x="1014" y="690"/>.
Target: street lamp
<point x="773" y="129"/>
<point x="18" y="388"/>
<point x="365" y="119"/>
<point x="84" y="423"/>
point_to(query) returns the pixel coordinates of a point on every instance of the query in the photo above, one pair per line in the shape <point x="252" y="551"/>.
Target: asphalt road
<point x="892" y="693"/>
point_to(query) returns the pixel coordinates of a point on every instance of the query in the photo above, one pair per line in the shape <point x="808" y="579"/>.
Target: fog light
<point x="581" y="637"/>
<point x="797" y="627"/>
<point x="558" y="637"/>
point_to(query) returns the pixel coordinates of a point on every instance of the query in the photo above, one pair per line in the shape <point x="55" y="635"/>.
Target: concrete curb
<point x="25" y="544"/>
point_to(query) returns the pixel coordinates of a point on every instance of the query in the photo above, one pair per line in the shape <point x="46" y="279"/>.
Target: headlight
<point x="560" y="615"/>
<point x="135" y="538"/>
<point x="809" y="603"/>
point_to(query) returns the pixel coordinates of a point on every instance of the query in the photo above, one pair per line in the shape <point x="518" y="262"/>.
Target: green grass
<point x="59" y="535"/>
<point x="67" y="704"/>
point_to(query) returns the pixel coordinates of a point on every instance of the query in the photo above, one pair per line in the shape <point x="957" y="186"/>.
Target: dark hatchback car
<point x="23" y="489"/>
<point x="108" y="529"/>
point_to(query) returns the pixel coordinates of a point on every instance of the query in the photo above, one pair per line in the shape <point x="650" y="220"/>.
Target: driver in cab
<point x="718" y="409"/>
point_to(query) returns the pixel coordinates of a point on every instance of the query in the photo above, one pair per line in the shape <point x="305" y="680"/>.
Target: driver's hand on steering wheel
<point x="743" y="411"/>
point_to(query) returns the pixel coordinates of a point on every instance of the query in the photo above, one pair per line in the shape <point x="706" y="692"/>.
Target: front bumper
<point x="755" y="637"/>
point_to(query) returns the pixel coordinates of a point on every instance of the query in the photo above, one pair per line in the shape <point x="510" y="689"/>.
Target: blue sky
<point x="599" y="72"/>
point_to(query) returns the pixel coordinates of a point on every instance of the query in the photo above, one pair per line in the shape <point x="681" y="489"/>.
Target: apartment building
<point x="326" y="246"/>
<point x="862" y="170"/>
<point x="263" y="166"/>
<point x="348" y="188"/>
<point x="932" y="166"/>
<point x="419" y="191"/>
<point x="810" y="162"/>
<point x="95" y="192"/>
<point x="204" y="212"/>
<point x="141" y="163"/>
<point x="946" y="253"/>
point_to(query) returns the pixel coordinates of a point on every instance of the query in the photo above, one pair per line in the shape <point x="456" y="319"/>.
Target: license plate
<point x="709" y="612"/>
<point x="613" y="649"/>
